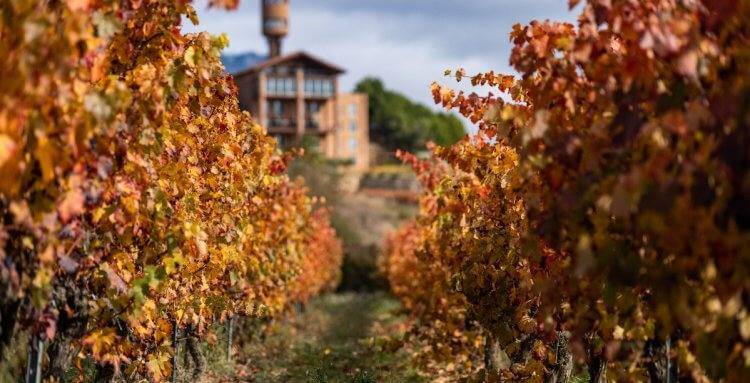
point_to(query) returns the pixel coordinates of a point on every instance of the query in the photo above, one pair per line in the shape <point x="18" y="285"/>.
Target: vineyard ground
<point x="346" y="337"/>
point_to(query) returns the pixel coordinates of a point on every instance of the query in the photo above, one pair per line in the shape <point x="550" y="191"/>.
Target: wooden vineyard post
<point x="34" y="364"/>
<point x="174" y="351"/>
<point x="230" y="334"/>
<point x="668" y="351"/>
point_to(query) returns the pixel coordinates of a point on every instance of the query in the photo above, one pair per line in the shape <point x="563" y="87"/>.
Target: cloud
<point x="406" y="43"/>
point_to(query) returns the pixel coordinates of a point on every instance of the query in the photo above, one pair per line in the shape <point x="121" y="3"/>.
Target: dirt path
<point x="339" y="338"/>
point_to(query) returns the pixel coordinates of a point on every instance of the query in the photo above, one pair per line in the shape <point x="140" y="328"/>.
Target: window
<point x="353" y="145"/>
<point x="274" y="23"/>
<point x="316" y="86"/>
<point x="327" y="87"/>
<point x="353" y="110"/>
<point x="319" y="87"/>
<point x="277" y="108"/>
<point x="353" y="126"/>
<point x="271" y="85"/>
<point x="281" y="86"/>
<point x="289" y="85"/>
<point x="312" y="108"/>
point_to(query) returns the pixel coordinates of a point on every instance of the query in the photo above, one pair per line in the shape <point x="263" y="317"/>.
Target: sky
<point x="406" y="43"/>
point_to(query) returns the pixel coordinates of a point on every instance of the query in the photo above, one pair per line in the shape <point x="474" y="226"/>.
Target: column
<point x="300" y="105"/>
<point x="262" y="100"/>
<point x="335" y="121"/>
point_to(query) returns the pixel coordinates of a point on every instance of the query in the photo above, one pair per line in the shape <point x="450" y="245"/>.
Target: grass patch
<point x="347" y="338"/>
<point x="340" y="338"/>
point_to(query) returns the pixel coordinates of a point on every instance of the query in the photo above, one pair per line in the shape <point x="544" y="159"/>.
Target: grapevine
<point x="603" y="201"/>
<point x="135" y="195"/>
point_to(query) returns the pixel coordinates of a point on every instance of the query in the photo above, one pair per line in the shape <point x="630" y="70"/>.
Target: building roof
<point x="235" y="62"/>
<point x="301" y="55"/>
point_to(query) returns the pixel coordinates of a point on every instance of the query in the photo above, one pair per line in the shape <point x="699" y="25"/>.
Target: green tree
<point x="397" y="122"/>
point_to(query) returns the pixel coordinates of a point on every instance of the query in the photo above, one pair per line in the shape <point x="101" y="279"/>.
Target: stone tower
<point x="275" y="24"/>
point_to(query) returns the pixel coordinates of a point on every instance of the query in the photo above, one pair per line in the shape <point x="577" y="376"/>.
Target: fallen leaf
<point x="72" y="205"/>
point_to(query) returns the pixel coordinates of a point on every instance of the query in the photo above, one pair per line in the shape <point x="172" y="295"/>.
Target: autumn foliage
<point x="600" y="215"/>
<point x="321" y="267"/>
<point x="135" y="196"/>
<point x="424" y="288"/>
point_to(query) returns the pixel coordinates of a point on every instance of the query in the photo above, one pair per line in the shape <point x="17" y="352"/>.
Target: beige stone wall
<point x="352" y="134"/>
<point x="326" y="119"/>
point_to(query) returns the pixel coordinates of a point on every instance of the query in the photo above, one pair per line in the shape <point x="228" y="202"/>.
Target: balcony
<point x="282" y="124"/>
<point x="282" y="94"/>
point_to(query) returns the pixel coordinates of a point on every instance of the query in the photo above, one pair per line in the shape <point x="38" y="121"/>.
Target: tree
<point x="399" y="123"/>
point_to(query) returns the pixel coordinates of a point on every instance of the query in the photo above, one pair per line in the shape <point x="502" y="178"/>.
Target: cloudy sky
<point x="407" y="43"/>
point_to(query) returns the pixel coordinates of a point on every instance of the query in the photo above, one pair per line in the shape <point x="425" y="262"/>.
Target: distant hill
<point x="240" y="61"/>
<point x="397" y="122"/>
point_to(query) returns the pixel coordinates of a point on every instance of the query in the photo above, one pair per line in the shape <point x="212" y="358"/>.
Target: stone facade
<point x="297" y="95"/>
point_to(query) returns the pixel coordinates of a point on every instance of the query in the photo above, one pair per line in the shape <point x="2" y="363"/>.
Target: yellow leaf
<point x="130" y="203"/>
<point x="190" y="56"/>
<point x="98" y="214"/>
<point x="618" y="333"/>
<point x="8" y="148"/>
<point x="100" y="341"/>
<point x="45" y="153"/>
<point x="745" y="328"/>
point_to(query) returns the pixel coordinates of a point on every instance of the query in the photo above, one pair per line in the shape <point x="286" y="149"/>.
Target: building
<point x="296" y="95"/>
